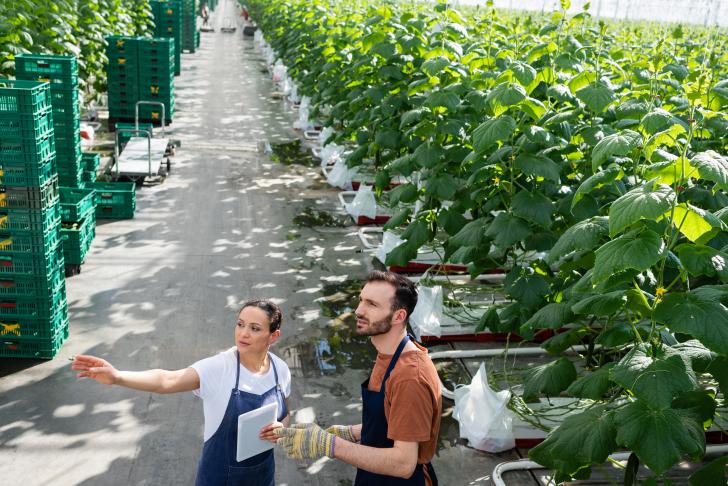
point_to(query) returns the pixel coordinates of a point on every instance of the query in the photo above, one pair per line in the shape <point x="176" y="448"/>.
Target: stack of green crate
<point x="78" y="216"/>
<point x="91" y="162"/>
<point x="62" y="74"/>
<point x="156" y="76"/>
<point x="168" y="23"/>
<point x="189" y="24"/>
<point x="114" y="200"/>
<point x="140" y="69"/>
<point x="122" y="76"/>
<point x="33" y="309"/>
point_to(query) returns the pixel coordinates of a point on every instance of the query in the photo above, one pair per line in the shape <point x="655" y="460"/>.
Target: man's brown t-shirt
<point x="412" y="400"/>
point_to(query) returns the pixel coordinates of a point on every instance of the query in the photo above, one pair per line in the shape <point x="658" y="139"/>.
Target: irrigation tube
<point x="527" y="465"/>
<point x="487" y="353"/>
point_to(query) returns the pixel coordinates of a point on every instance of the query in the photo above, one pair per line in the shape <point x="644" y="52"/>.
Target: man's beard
<point x="376" y="328"/>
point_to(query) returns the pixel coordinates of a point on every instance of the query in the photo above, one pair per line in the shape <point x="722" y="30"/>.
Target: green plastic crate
<point x="29" y="197"/>
<point x="27" y="175"/>
<point x="76" y="203"/>
<point x="27" y="128"/>
<point x="54" y="69"/>
<point x="32" y="286"/>
<point x="32" y="313"/>
<point x="29" y="243"/>
<point x="77" y="241"/>
<point x="23" y="97"/>
<point x="91" y="160"/>
<point x="19" y="152"/>
<point x="88" y="176"/>
<point x="36" y="220"/>
<point x="14" y="347"/>
<point x="115" y="193"/>
<point x="35" y="264"/>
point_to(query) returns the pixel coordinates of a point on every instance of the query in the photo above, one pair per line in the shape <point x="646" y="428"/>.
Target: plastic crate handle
<point x="8" y="305"/>
<point x="6" y="261"/>
<point x="42" y="64"/>
<point x="7" y="284"/>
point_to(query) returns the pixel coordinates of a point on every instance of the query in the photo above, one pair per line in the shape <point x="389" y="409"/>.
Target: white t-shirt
<point x="217" y="379"/>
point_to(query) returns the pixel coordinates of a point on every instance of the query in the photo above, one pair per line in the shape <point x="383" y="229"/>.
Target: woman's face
<point x="252" y="331"/>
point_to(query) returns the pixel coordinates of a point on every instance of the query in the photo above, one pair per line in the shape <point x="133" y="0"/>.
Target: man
<point x="401" y="399"/>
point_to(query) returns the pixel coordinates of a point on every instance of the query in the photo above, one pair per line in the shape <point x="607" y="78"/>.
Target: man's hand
<point x="343" y="431"/>
<point x="95" y="368"/>
<point x="306" y="441"/>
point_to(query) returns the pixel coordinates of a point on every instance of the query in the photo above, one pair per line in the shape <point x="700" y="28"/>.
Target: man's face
<point x="374" y="312"/>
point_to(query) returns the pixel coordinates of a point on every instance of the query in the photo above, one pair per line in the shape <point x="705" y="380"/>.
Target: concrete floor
<point x="162" y="290"/>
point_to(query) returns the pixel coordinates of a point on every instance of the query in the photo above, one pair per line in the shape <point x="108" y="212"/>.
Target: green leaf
<point x="413" y="116"/>
<point x="581" y="440"/>
<point x="445" y="99"/>
<point x="617" y="144"/>
<point x="713" y="474"/>
<point x="593" y="385"/>
<point x="524" y="73"/>
<point x="656" y="121"/>
<point x="492" y="131"/>
<point x="418" y="233"/>
<point x="649" y="201"/>
<point x="527" y="288"/>
<point x="505" y="95"/>
<point x="634" y="363"/>
<point x="451" y="220"/>
<point x="596" y="181"/>
<point x="662" y="380"/>
<point x="660" y="438"/>
<point x="551" y="316"/>
<point x="637" y="251"/>
<point x="596" y="96"/>
<point x="398" y="219"/>
<point x="404" y="193"/>
<point x="549" y="379"/>
<point x="583" y="236"/>
<point x="533" y="108"/>
<point x="538" y="166"/>
<point x="601" y="304"/>
<point x="434" y="65"/>
<point x="665" y="138"/>
<point x="402" y="254"/>
<point x="442" y="187"/>
<point x="387" y="139"/>
<point x="488" y="320"/>
<point x="541" y="50"/>
<point x="506" y="230"/>
<point x="472" y="234"/>
<point x="688" y="313"/>
<point x="713" y="167"/>
<point x="691" y="222"/>
<point x="534" y="207"/>
<point x="428" y="154"/>
<point x="671" y="171"/>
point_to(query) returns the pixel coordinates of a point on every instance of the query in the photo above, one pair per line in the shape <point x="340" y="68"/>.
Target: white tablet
<point x="249" y="425"/>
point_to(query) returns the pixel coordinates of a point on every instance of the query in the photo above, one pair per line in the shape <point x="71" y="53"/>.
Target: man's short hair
<point x="271" y="310"/>
<point x="405" y="292"/>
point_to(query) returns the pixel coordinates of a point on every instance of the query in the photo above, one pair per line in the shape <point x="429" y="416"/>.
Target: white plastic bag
<point x="331" y="154"/>
<point x="340" y="175"/>
<point x="364" y="203"/>
<point x="324" y="135"/>
<point x="483" y="416"/>
<point x="293" y="95"/>
<point x="279" y="71"/>
<point x="303" y="123"/>
<point x="425" y="319"/>
<point x="390" y="241"/>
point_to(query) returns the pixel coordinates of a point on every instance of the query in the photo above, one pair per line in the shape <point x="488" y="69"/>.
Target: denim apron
<point x="374" y="434"/>
<point x="218" y="465"/>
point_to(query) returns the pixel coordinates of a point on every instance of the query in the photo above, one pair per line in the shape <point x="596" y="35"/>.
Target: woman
<point x="233" y="382"/>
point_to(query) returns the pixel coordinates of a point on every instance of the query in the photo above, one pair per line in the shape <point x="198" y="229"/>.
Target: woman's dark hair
<point x="405" y="292"/>
<point x="271" y="310"/>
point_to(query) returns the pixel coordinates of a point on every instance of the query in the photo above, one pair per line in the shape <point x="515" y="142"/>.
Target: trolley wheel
<point x="169" y="165"/>
<point x="72" y="269"/>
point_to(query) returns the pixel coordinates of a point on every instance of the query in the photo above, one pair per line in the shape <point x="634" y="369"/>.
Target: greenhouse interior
<point x="374" y="242"/>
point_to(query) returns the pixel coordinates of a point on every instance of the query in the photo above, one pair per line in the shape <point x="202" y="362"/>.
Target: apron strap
<point x="393" y="361"/>
<point x="237" y="372"/>
<point x="275" y="374"/>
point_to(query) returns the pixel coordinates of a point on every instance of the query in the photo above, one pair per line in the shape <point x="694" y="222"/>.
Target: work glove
<point x="306" y="441"/>
<point x="343" y="431"/>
